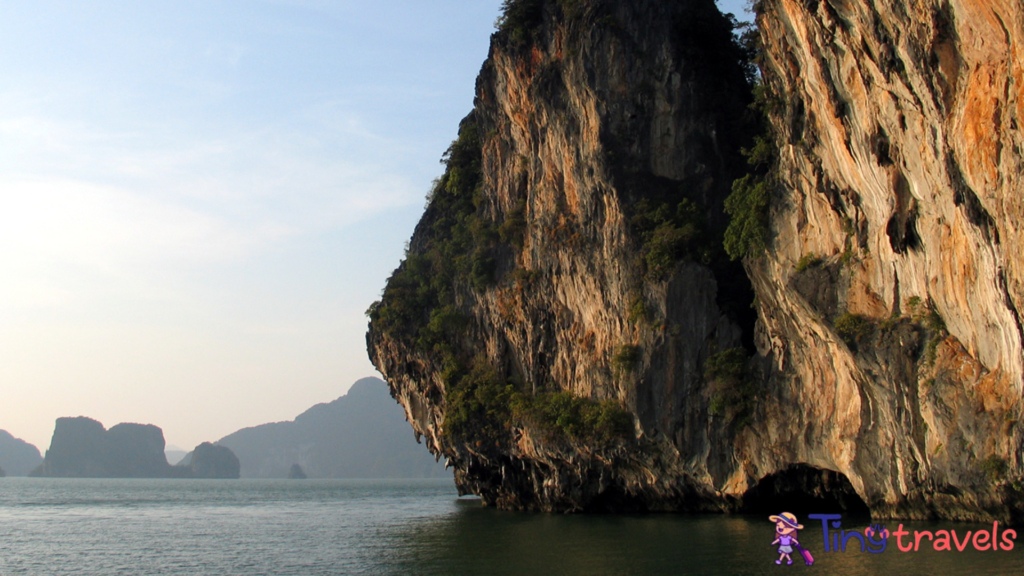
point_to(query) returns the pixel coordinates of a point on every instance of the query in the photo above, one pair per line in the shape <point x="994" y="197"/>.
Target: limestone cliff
<point x="895" y="349"/>
<point x="83" y="448"/>
<point x="567" y="331"/>
<point x="571" y="252"/>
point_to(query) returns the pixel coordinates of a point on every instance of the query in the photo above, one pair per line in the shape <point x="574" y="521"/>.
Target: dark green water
<point x="158" y="527"/>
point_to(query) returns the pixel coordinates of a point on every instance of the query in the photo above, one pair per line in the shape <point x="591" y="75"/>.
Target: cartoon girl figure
<point x="786" y="526"/>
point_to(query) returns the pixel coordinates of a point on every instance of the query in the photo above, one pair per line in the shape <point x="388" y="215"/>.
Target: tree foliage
<point x="747" y="234"/>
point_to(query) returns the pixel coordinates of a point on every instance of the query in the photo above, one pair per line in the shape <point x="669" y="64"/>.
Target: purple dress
<point x="785" y="544"/>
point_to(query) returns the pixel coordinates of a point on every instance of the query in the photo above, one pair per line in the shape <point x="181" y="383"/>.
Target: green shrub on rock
<point x="731" y="386"/>
<point x="482" y="406"/>
<point x="577" y="418"/>
<point x="747" y="234"/>
<point x="853" y="328"/>
<point x="625" y="358"/>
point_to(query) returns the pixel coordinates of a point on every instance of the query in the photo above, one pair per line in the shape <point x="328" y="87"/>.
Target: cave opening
<point x="803" y="489"/>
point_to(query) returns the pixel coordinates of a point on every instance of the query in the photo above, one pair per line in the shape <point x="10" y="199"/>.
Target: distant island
<point x="82" y="448"/>
<point x="17" y="457"/>
<point x="362" y="434"/>
<point x="175" y="455"/>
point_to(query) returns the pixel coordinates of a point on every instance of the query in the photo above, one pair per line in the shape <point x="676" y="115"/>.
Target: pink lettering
<point x="941" y="540"/>
<point x="960" y="547"/>
<point x="1008" y="536"/>
<point x="918" y="536"/>
<point x="900" y="533"/>
<point x="981" y="538"/>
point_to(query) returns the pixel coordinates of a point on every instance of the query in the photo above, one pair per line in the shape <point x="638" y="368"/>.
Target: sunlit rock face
<point x="897" y="125"/>
<point x="888" y="344"/>
<point x="597" y="109"/>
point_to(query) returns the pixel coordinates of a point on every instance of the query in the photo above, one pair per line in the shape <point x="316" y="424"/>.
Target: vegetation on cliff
<point x="859" y="216"/>
<point x="750" y="202"/>
<point x="482" y="408"/>
<point x="607" y="174"/>
<point x="418" y="304"/>
<point x="732" y="387"/>
<point x="420" y="307"/>
<point x="519" y="19"/>
<point x="668" y="234"/>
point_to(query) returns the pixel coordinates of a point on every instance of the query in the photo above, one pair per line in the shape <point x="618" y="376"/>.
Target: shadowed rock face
<point x="889" y="363"/>
<point x="18" y="457"/>
<point x="82" y="448"/>
<point x="136" y="451"/>
<point x="213" y="461"/>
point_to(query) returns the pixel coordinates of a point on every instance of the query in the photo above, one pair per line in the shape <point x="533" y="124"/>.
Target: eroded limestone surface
<point x="888" y="357"/>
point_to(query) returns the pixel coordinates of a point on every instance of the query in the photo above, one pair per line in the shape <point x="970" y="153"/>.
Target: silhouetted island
<point x="296" y="473"/>
<point x="82" y="448"/>
<point x="17" y="457"/>
<point x="211" y="461"/>
<point x="362" y="434"/>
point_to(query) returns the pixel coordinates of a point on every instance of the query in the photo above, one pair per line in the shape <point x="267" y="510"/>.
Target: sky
<point x="199" y="199"/>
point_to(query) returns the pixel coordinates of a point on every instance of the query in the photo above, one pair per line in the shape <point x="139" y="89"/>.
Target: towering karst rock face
<point x="543" y="278"/>
<point x="895" y="349"/>
<point x="567" y="331"/>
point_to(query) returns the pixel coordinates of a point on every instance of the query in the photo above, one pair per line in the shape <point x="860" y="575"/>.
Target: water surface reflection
<point x="476" y="540"/>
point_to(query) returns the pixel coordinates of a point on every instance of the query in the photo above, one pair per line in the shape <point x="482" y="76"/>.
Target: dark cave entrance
<point x="803" y="489"/>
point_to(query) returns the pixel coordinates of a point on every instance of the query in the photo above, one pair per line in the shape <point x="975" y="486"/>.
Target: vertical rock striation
<point x="898" y="353"/>
<point x="604" y="140"/>
<point x="567" y="332"/>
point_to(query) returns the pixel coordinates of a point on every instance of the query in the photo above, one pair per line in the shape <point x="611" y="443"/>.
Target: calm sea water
<point x="193" y="527"/>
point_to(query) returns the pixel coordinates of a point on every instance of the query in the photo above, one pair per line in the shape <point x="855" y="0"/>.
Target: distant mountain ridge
<point x="362" y="434"/>
<point x="17" y="457"/>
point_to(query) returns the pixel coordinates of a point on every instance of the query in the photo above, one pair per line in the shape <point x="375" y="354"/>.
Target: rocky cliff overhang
<point x="567" y="330"/>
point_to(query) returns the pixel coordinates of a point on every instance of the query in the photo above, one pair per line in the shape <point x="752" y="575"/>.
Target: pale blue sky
<point x="199" y="199"/>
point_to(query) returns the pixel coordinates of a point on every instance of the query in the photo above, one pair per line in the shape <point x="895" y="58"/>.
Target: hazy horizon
<point x="199" y="200"/>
